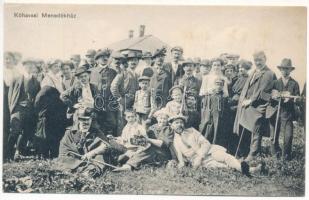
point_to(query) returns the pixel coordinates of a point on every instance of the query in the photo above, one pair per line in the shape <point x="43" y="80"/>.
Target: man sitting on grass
<point x="192" y="148"/>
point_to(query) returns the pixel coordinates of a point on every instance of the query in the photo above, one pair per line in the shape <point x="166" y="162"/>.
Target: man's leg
<point x="288" y="138"/>
<point x="274" y="146"/>
<point x="256" y="139"/>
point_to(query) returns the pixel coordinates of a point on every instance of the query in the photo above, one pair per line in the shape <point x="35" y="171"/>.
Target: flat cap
<point x="91" y="52"/>
<point x="177" y="48"/>
<point x="180" y="116"/>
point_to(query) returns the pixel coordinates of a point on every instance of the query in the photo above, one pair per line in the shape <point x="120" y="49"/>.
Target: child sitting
<point x="174" y="107"/>
<point x="132" y="137"/>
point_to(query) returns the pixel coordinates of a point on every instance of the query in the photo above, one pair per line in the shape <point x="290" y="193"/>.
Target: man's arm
<point x="116" y="84"/>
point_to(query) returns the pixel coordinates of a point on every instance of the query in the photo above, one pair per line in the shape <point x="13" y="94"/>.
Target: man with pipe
<point x="83" y="147"/>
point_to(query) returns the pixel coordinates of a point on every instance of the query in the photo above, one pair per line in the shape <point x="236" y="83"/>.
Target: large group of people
<point x="126" y="108"/>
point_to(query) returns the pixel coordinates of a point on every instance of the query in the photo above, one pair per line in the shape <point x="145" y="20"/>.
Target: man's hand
<point x="246" y="102"/>
<point x="275" y="94"/>
<point x="88" y="155"/>
<point x="180" y="165"/>
<point x="197" y="162"/>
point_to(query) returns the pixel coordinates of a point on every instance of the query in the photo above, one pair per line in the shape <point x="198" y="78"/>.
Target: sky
<point x="203" y="31"/>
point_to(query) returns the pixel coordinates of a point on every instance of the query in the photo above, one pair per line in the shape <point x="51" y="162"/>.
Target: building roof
<point x="145" y="43"/>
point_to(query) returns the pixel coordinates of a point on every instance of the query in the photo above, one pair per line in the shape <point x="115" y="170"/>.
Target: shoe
<point x="245" y="168"/>
<point x="123" y="168"/>
<point x="17" y="157"/>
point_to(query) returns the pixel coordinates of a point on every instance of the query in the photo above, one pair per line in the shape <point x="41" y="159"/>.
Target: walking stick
<point x="241" y="135"/>
<point x="277" y="119"/>
<point x="100" y="162"/>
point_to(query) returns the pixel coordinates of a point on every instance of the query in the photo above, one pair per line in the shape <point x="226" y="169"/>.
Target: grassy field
<point x="281" y="179"/>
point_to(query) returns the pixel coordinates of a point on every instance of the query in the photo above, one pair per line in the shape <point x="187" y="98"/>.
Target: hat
<point x="68" y="63"/>
<point x="187" y="61"/>
<point x="75" y="57"/>
<point x="160" y="112"/>
<point x="259" y="54"/>
<point x="179" y="116"/>
<point x="177" y="48"/>
<point x="197" y="60"/>
<point x="91" y="52"/>
<point x="117" y="55"/>
<point x="159" y="53"/>
<point x="143" y="78"/>
<point x="147" y="54"/>
<point x="219" y="80"/>
<point x="131" y="53"/>
<point x="87" y="113"/>
<point x="175" y="87"/>
<point x="205" y="62"/>
<point x="232" y="56"/>
<point x="286" y="63"/>
<point x="28" y="60"/>
<point x="101" y="53"/>
<point x="134" y="54"/>
<point x="82" y="69"/>
<point x="52" y="62"/>
<point x="245" y="64"/>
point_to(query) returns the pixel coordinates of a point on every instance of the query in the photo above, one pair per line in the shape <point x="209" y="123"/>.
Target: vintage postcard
<point x="154" y="99"/>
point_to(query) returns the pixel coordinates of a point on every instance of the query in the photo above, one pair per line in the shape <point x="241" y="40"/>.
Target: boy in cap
<point x="144" y="104"/>
<point x="283" y="88"/>
<point x="216" y="116"/>
<point x="191" y="111"/>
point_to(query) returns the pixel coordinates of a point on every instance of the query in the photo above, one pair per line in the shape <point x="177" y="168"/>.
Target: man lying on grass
<point x="191" y="147"/>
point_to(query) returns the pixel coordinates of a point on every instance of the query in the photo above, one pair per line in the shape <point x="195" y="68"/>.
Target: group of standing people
<point x="130" y="107"/>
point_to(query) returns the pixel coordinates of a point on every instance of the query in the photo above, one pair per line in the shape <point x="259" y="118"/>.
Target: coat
<point x="192" y="84"/>
<point x="73" y="142"/>
<point x="70" y="97"/>
<point x="103" y="76"/>
<point x="17" y="89"/>
<point x="161" y="83"/>
<point x="288" y="108"/>
<point x="258" y="89"/>
<point x="51" y="113"/>
<point x="174" y="75"/>
<point x="125" y="85"/>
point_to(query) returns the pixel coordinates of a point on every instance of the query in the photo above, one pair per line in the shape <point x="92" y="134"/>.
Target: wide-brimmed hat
<point x="180" y="116"/>
<point x="159" y="53"/>
<point x="177" y="48"/>
<point x="91" y="52"/>
<point x="134" y="54"/>
<point x="52" y="62"/>
<point x="82" y="69"/>
<point x="102" y="53"/>
<point x="143" y="78"/>
<point x="147" y="54"/>
<point x="187" y="61"/>
<point x="175" y="87"/>
<point x="286" y="63"/>
<point x="197" y="60"/>
<point x="87" y="113"/>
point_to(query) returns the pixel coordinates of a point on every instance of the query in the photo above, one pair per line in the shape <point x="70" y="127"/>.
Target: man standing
<point x="101" y="59"/>
<point x="253" y="101"/>
<point x="90" y="58"/>
<point x="174" y="67"/>
<point x="21" y="96"/>
<point x="124" y="86"/>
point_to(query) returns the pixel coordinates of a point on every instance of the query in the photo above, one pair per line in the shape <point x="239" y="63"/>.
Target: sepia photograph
<point x="206" y="100"/>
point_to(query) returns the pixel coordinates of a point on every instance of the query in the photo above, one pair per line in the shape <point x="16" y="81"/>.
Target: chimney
<point x="131" y="34"/>
<point x="141" y="30"/>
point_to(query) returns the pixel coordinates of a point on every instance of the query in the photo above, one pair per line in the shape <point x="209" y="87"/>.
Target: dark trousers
<point x="256" y="137"/>
<point x="107" y="121"/>
<point x="285" y="126"/>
